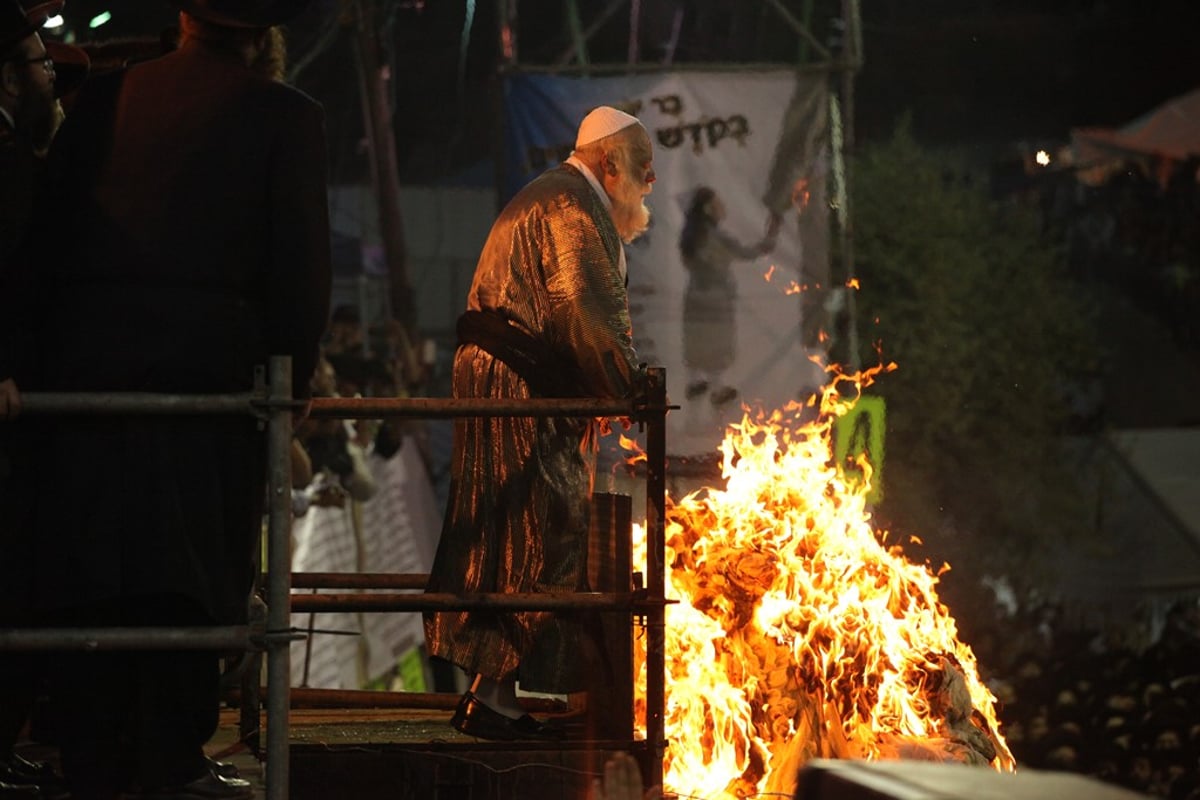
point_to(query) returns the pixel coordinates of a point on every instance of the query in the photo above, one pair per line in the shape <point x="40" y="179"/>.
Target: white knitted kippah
<point x="600" y="122"/>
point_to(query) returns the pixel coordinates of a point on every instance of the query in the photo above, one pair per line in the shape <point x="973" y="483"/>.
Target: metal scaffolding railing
<point x="271" y="401"/>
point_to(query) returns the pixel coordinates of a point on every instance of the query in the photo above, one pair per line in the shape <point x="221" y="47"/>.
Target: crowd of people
<point x="1118" y="704"/>
<point x="358" y="359"/>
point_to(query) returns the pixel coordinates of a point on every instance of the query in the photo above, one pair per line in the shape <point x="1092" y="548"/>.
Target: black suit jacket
<point x="190" y="198"/>
<point x="191" y="195"/>
<point x="19" y="174"/>
<point x="20" y="171"/>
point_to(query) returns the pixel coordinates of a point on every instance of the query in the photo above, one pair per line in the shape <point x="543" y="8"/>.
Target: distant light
<point x="53" y="22"/>
<point x="1043" y="157"/>
<point x="100" y="19"/>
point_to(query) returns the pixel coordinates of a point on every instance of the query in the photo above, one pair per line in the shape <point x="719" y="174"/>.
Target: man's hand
<point x="10" y="399"/>
<point x="328" y="497"/>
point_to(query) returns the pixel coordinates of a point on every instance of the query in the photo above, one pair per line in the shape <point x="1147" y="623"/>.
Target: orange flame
<point x="635" y="450"/>
<point x="797" y="634"/>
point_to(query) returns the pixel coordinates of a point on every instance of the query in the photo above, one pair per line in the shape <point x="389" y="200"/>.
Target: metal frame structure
<point x="272" y="403"/>
<point x="575" y="56"/>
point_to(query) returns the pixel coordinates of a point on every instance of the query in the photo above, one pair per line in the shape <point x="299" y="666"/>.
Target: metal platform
<point x="398" y="754"/>
<point x="401" y="754"/>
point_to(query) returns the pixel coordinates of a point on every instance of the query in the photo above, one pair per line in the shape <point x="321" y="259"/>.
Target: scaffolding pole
<point x="279" y="565"/>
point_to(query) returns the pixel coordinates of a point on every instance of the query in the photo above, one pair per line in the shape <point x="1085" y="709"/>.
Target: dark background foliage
<point x="989" y="334"/>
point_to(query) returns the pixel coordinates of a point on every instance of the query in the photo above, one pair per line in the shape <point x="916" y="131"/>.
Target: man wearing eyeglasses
<point x="29" y="117"/>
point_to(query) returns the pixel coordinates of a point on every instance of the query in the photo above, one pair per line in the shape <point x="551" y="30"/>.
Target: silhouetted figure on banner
<point x="710" y="301"/>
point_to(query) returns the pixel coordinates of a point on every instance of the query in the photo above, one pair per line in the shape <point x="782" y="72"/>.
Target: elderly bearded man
<point x="547" y="316"/>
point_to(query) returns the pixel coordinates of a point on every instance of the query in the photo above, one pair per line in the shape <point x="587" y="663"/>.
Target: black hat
<point x="16" y="22"/>
<point x="242" y="13"/>
<point x="38" y="13"/>
<point x="71" y="64"/>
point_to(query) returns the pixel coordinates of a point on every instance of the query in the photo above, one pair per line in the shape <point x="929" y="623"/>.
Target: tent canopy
<point x="1171" y="130"/>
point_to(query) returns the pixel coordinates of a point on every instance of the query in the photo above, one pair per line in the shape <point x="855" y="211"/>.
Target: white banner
<point x="395" y="531"/>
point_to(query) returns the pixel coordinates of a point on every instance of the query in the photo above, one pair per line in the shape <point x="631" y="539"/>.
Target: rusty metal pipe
<point x="430" y="601"/>
<point x="139" y="403"/>
<point x="656" y="515"/>
<point x="359" y="580"/>
<point x="147" y="403"/>
<point x="279" y="566"/>
<point x="233" y="637"/>
<point x="304" y="697"/>
<point x="433" y="407"/>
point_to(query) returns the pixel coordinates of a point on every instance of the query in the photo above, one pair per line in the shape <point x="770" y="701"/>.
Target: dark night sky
<point x="1025" y="72"/>
<point x="967" y="70"/>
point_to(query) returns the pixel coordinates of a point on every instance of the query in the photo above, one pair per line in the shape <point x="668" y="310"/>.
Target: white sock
<point x="500" y="697"/>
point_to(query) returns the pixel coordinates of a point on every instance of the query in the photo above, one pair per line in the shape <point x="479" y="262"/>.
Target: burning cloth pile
<point x="798" y="632"/>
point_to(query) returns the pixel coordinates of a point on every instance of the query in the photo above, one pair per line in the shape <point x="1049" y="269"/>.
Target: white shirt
<point x="604" y="198"/>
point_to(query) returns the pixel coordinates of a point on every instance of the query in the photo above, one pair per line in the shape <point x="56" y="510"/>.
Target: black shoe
<point x="209" y="786"/>
<point x="474" y="718"/>
<point x="223" y="768"/>
<point x="18" y="791"/>
<point x="16" y="766"/>
<point x="17" y="772"/>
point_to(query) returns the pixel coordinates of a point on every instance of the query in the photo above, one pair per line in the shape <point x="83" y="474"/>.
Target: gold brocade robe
<point x="518" y="512"/>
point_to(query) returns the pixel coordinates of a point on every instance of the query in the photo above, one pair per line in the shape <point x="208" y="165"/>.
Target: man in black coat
<point x="29" y="116"/>
<point x="193" y="191"/>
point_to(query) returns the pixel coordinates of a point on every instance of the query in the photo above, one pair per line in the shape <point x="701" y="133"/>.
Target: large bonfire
<point x="799" y="632"/>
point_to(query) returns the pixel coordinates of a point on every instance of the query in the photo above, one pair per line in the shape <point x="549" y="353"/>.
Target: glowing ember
<point x="798" y="633"/>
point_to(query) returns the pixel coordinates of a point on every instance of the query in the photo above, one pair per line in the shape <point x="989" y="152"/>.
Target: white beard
<point x="630" y="214"/>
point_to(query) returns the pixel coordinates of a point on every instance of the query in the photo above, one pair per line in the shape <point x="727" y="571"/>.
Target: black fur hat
<point x="17" y="22"/>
